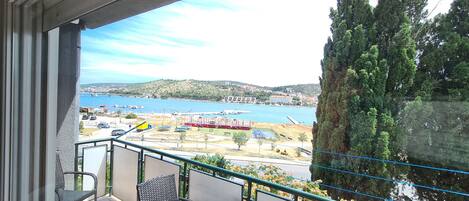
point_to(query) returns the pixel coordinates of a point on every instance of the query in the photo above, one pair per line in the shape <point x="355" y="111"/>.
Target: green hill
<point x="200" y="90"/>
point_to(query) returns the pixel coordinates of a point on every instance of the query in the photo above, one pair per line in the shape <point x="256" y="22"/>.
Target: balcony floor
<point x="108" y="198"/>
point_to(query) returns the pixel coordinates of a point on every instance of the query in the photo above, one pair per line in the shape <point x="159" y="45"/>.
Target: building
<point x="279" y="99"/>
<point x="239" y="99"/>
<point x="39" y="103"/>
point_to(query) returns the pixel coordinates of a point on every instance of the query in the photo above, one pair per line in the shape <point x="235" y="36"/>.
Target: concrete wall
<point x="68" y="95"/>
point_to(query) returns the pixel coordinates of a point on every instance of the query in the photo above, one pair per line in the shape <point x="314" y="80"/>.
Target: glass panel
<point x="204" y="187"/>
<point x="124" y="174"/>
<point x="265" y="196"/>
<point x="94" y="161"/>
<point x="155" y="168"/>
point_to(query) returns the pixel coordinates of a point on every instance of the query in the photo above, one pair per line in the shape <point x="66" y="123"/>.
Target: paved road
<point x="298" y="169"/>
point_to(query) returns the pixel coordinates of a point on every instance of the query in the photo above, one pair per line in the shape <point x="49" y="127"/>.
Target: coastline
<point x="195" y="100"/>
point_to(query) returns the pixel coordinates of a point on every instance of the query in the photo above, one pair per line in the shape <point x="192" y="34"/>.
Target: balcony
<point x="121" y="165"/>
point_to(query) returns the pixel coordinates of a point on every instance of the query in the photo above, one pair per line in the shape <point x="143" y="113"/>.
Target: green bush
<point x="240" y="138"/>
<point x="131" y="116"/>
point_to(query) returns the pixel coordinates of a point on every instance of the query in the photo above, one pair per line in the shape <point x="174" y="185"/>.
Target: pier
<point x="293" y="120"/>
<point x="224" y="112"/>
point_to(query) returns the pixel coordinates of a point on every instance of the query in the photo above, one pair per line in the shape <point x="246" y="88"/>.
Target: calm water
<point x="258" y="113"/>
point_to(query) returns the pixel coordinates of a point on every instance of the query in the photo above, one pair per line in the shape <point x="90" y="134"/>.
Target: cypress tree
<point x="368" y="65"/>
<point x="437" y="121"/>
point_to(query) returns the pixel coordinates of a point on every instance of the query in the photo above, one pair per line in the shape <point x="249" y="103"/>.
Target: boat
<point x="164" y="128"/>
<point x="182" y="129"/>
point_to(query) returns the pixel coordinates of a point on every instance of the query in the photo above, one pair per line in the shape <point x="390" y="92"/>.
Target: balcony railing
<point x="121" y="165"/>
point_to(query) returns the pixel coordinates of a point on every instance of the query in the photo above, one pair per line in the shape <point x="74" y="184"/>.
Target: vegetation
<point x="182" y="137"/>
<point x="81" y="127"/>
<point x="302" y="138"/>
<point x="240" y="138"/>
<point x="204" y="90"/>
<point x="377" y="91"/>
<point x="206" y="140"/>
<point x="306" y="89"/>
<point x="368" y="65"/>
<point x="131" y="116"/>
<point x="265" y="172"/>
<point x="260" y="142"/>
<point x="436" y="122"/>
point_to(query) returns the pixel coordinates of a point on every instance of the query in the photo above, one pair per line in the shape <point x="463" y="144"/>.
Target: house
<point x="280" y="99"/>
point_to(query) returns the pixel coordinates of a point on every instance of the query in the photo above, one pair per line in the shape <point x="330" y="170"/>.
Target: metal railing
<point x="295" y="193"/>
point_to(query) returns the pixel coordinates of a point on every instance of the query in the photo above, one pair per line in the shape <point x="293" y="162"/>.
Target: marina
<point x="182" y="107"/>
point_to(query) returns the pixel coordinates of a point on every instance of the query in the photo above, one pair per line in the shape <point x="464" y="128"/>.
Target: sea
<point x="257" y="112"/>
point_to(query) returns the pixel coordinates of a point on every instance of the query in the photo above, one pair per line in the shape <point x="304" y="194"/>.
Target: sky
<point x="263" y="42"/>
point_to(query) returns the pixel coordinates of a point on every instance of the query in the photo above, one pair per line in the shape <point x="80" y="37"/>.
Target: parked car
<point x="93" y="117"/>
<point x="103" y="125"/>
<point x="117" y="132"/>
<point x="85" y="117"/>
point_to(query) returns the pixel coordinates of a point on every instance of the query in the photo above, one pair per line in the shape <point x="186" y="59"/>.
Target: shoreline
<point x="194" y="100"/>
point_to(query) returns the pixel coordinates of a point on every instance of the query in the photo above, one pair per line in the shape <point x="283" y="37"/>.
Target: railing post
<point x="76" y="168"/>
<point x="249" y="190"/>
<point x="111" y="166"/>
<point x="140" y="167"/>
<point x="184" y="181"/>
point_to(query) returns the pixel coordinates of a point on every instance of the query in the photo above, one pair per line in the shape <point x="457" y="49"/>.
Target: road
<point x="297" y="169"/>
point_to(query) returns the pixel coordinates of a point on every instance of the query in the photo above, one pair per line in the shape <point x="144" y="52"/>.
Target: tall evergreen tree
<point x="367" y="64"/>
<point x="437" y="122"/>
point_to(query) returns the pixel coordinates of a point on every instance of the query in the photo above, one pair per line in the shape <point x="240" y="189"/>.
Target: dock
<point x="224" y="112"/>
<point x="293" y="120"/>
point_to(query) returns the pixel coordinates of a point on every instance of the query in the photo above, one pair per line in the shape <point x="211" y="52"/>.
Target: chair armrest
<point x="88" y="174"/>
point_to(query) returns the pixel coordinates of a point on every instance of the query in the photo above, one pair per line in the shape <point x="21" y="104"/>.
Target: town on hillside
<point x="222" y="91"/>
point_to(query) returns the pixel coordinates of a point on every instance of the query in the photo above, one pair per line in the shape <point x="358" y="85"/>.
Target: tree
<point x="260" y="142"/>
<point x="302" y="138"/>
<point x="368" y="66"/>
<point x="240" y="138"/>
<point x="182" y="137"/>
<point x="119" y="112"/>
<point x="273" y="144"/>
<point x="131" y="116"/>
<point x="206" y="139"/>
<point x="81" y="126"/>
<point x="436" y="121"/>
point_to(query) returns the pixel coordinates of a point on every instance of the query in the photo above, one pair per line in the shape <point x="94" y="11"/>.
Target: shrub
<point x="240" y="138"/>
<point x="131" y="116"/>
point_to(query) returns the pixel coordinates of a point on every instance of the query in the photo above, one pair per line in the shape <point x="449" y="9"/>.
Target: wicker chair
<point x="158" y="189"/>
<point x="67" y="195"/>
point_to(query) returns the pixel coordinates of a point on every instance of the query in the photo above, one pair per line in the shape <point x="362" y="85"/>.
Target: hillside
<point x="200" y="90"/>
<point x="305" y="89"/>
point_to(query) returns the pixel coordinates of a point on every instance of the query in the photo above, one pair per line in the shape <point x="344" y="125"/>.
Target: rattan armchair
<point x="158" y="189"/>
<point x="70" y="195"/>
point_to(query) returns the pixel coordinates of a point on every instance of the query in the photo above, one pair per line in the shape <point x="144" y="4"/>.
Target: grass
<point x="88" y="131"/>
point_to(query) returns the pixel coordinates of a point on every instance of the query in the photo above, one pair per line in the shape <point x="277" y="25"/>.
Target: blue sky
<point x="264" y="42"/>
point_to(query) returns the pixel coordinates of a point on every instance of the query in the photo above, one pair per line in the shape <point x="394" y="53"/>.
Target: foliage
<point x="240" y="138"/>
<point x="302" y="138"/>
<point x="260" y="142"/>
<point x="206" y="139"/>
<point x="217" y="160"/>
<point x="131" y="116"/>
<point x="265" y="172"/>
<point x="205" y="90"/>
<point x="81" y="127"/>
<point x="276" y="175"/>
<point x="368" y="66"/>
<point x="436" y="121"/>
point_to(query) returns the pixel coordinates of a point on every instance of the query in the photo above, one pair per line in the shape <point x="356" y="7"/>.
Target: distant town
<point x="221" y="91"/>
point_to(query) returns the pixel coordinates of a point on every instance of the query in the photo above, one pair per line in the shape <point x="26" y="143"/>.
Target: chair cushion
<point x="76" y="195"/>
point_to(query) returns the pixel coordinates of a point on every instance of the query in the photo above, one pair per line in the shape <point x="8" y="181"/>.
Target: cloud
<point x="262" y="42"/>
<point x="265" y="42"/>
